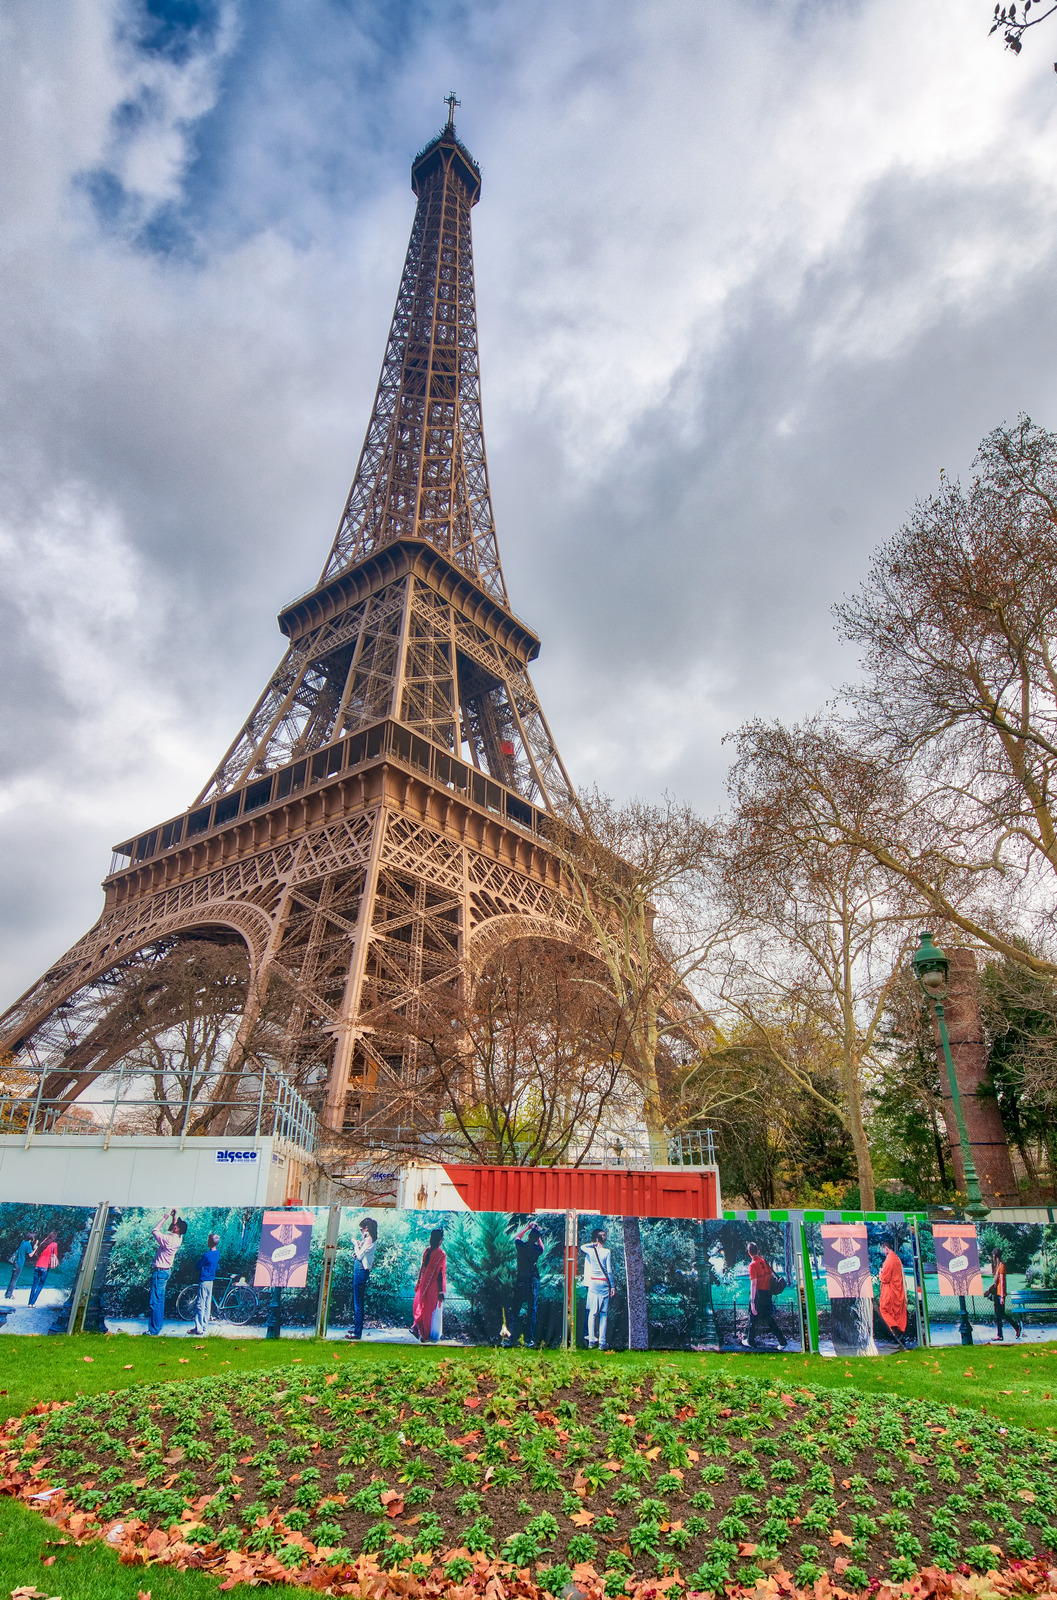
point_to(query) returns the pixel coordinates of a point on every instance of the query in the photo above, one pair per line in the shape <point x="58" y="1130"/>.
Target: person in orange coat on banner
<point x="431" y="1287"/>
<point x="893" y="1307"/>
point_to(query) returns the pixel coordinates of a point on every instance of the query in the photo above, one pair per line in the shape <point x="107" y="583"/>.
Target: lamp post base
<point x="965" y="1327"/>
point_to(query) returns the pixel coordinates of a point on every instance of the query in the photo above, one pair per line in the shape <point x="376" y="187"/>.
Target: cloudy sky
<point x="749" y="276"/>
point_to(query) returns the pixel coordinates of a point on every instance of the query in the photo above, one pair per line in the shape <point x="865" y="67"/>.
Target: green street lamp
<point x="931" y="968"/>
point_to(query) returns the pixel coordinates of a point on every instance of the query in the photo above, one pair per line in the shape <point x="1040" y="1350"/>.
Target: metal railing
<point x="127" y="1101"/>
<point x="695" y="1148"/>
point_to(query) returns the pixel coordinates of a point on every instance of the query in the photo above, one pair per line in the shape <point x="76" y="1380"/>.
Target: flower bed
<point x="542" y="1472"/>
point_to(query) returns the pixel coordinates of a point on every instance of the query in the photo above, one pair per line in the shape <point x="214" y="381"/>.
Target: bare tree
<point x="821" y="932"/>
<point x="642" y="878"/>
<point x="521" y="1062"/>
<point x="957" y="622"/>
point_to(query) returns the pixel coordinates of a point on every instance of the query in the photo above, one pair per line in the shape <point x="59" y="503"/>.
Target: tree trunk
<point x="638" y="1322"/>
<point x="851" y="1322"/>
<point x="853" y="1123"/>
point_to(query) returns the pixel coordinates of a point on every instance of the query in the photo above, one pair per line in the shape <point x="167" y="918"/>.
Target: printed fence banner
<point x="41" y="1249"/>
<point x="957" y="1256"/>
<point x="155" y="1263"/>
<point x="150" y="1269"/>
<point x="862" y="1282"/>
<point x="1020" y="1257"/>
<point x="282" y="1258"/>
<point x="847" y="1257"/>
<point x="667" y="1283"/>
<point x="448" y="1277"/>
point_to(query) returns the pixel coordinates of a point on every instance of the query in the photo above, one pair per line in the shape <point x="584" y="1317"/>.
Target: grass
<point x="1013" y="1384"/>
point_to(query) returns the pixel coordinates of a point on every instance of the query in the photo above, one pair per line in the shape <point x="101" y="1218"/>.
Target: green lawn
<point x="1014" y="1383"/>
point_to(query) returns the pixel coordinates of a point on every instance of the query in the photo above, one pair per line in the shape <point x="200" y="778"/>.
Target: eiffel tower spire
<point x="422" y="473"/>
<point x="411" y="618"/>
<point x="387" y="803"/>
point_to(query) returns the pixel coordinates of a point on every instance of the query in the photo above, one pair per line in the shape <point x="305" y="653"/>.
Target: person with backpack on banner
<point x="764" y="1284"/>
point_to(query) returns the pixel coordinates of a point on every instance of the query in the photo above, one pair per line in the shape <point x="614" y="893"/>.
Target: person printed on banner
<point x="207" y="1271"/>
<point x="528" y="1243"/>
<point x="46" y="1258"/>
<point x="598" y="1280"/>
<point x="361" y="1270"/>
<point x="17" y="1260"/>
<point x="431" y="1287"/>
<point x="761" y="1301"/>
<point x="893" y="1296"/>
<point x="169" y="1237"/>
<point x="997" y="1295"/>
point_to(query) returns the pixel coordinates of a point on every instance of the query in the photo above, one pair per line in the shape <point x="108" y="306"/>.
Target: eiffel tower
<point x="384" y="809"/>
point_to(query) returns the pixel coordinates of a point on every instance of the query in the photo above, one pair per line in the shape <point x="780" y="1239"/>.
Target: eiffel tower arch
<point x="386" y="809"/>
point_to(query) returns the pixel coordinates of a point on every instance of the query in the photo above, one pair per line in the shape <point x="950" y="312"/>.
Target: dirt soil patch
<point x="547" y="1471"/>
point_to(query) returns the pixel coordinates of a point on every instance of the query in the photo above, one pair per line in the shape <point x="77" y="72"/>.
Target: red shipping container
<point x="613" y="1191"/>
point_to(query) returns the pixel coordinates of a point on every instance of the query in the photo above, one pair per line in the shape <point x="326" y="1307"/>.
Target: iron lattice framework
<point x="386" y="802"/>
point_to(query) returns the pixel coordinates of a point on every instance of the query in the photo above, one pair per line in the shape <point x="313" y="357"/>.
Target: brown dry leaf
<point x="143" y="1594"/>
<point x="746" y="1549"/>
<point x="693" y="1455"/>
<point x="628" y="1417"/>
<point x="90" y="1359"/>
<point x="472" y="1401"/>
<point x="838" y="1538"/>
<point x="1026" y="1494"/>
<point x="582" y="1519"/>
<point x="651" y="1455"/>
<point x="173" y="1457"/>
<point x="332" y="1377"/>
<point x="26" y="1591"/>
<point x="841" y="1565"/>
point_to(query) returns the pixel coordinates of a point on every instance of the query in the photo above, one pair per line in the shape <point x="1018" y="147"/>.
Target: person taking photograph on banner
<point x="528" y="1243"/>
<point x="168" y="1237"/>
<point x="600" y="1285"/>
<point x="361" y="1270"/>
<point x="763" y="1285"/>
<point x="430" y="1289"/>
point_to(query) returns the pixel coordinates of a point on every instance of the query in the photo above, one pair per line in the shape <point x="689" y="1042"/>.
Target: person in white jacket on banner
<point x="598" y="1279"/>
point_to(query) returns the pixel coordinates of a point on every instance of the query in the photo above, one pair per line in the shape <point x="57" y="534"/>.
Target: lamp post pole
<point x="931" y="968"/>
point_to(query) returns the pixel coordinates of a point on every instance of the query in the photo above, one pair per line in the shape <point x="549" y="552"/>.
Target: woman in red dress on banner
<point x="431" y="1287"/>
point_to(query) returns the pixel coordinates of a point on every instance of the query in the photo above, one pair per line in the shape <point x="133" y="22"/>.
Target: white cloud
<point x="747" y="278"/>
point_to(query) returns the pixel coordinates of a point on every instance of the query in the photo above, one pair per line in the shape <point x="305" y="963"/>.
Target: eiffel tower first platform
<point x="383" y="813"/>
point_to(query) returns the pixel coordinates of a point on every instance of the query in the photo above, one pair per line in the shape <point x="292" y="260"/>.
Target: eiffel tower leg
<point x="348" y="1031"/>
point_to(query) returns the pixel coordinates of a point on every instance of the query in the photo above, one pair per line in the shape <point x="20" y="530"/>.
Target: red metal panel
<point x="613" y="1191"/>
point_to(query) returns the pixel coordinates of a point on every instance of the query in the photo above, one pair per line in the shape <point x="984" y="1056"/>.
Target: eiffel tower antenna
<point x="385" y="807"/>
<point x="451" y="102"/>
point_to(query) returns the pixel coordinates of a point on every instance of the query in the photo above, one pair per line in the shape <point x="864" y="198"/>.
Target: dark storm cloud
<point x="745" y="285"/>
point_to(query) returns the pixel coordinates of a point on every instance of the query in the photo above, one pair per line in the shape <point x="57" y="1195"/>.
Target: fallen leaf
<point x="183" y="1360"/>
<point x="582" y="1519"/>
<point x="838" y="1538"/>
<point x="693" y="1455"/>
<point x="651" y="1455"/>
<point x="88" y="1358"/>
<point x="472" y="1401"/>
<point x="173" y="1457"/>
<point x="127" y="1367"/>
<point x="842" y="1564"/>
<point x="1026" y="1494"/>
<point x="745" y="1549"/>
